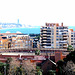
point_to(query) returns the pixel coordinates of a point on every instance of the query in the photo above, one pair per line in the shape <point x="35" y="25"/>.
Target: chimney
<point x="62" y="24"/>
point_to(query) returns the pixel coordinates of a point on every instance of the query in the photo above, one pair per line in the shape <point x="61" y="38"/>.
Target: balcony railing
<point x="31" y="49"/>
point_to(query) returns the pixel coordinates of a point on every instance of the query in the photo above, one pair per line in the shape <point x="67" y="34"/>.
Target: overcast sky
<point x="38" y="12"/>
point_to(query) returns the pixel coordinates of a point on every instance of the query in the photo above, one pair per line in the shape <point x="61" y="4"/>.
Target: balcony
<point x="44" y="40"/>
<point x="44" y="29"/>
<point x="44" y="43"/>
<point x="44" y="34"/>
<point x="64" y="45"/>
<point x="48" y="35"/>
<point x="65" y="37"/>
<point x="44" y="37"/>
<point x="64" y="34"/>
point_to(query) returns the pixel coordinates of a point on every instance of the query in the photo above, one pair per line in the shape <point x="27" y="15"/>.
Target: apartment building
<point x="72" y="38"/>
<point x="5" y="42"/>
<point x="54" y="36"/>
<point x="21" y="41"/>
<point x="12" y="40"/>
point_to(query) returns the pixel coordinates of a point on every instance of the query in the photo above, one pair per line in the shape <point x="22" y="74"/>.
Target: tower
<point x="18" y="21"/>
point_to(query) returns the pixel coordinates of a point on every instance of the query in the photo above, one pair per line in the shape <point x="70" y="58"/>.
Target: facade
<point x="21" y="41"/>
<point x="72" y="38"/>
<point x="54" y="36"/>
<point x="15" y="41"/>
<point x="35" y="38"/>
<point x="5" y="42"/>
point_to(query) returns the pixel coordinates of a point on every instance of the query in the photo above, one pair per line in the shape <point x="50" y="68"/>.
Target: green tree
<point x="51" y="72"/>
<point x="70" y="48"/>
<point x="0" y="73"/>
<point x="67" y="66"/>
<point x="9" y="59"/>
<point x="2" y="68"/>
<point x="38" y="70"/>
<point x="18" y="71"/>
<point x="37" y="52"/>
<point x="37" y="37"/>
<point x="60" y="64"/>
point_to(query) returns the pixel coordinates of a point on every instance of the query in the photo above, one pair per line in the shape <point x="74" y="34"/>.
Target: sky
<point x="38" y="12"/>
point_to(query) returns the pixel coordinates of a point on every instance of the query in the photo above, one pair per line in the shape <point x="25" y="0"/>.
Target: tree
<point x="38" y="70"/>
<point x="18" y="71"/>
<point x="37" y="52"/>
<point x="9" y="59"/>
<point x="51" y="72"/>
<point x="38" y="37"/>
<point x="59" y="68"/>
<point x="67" y="66"/>
<point x="70" y="48"/>
<point x="3" y="67"/>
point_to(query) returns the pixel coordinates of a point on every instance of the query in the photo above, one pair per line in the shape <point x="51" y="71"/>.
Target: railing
<point x="33" y="49"/>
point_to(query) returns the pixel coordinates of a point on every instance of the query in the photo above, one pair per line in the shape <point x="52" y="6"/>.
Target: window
<point x="48" y="30"/>
<point x="57" y="36"/>
<point x="57" y="45"/>
<point x="56" y="33"/>
<point x="71" y="41"/>
<point x="65" y="30"/>
<point x="0" y="44"/>
<point x="4" y="37"/>
<point x="60" y="33"/>
<point x="15" y="45"/>
<point x="56" y="39"/>
<point x="56" y="27"/>
<point x="71" y="35"/>
<point x="52" y="36"/>
<point x="60" y="44"/>
<point x="64" y="33"/>
<point x="52" y="42"/>
<point x="56" y="30"/>
<point x="65" y="27"/>
<point x="52" y="33"/>
<point x="48" y="33"/>
<point x="71" y="38"/>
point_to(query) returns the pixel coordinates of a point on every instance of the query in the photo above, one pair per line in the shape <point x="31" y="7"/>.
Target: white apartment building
<point x="54" y="36"/>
